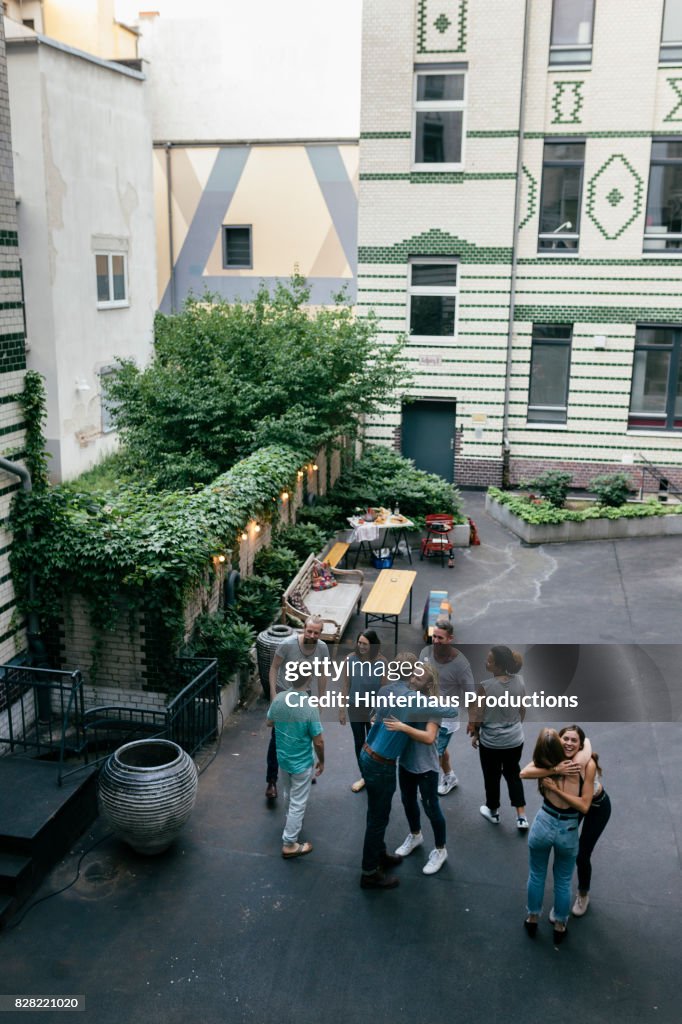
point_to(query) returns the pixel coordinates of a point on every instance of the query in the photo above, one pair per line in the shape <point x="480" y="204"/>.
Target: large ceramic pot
<point x="147" y="791"/>
<point x="267" y="643"/>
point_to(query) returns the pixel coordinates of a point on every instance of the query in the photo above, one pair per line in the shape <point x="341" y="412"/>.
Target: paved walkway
<point x="221" y="929"/>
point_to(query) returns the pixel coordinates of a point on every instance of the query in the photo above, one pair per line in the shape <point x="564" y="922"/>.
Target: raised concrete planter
<point x="591" y="529"/>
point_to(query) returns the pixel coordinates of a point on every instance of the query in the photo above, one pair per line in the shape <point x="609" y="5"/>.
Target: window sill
<point x="653" y="432"/>
<point x="114" y="305"/>
<point x="436" y="168"/>
<point x="545" y="426"/>
<point x="560" y="254"/>
<point x="667" y="253"/>
<point x="569" y="67"/>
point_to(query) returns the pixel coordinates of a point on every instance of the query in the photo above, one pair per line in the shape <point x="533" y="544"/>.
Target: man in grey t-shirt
<point x="455" y="678"/>
<point x="292" y="653"/>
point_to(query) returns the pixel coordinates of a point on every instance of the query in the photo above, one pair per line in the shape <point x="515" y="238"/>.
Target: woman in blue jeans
<point x="565" y="798"/>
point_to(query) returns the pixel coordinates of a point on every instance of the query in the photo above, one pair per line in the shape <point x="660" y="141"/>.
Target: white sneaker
<point x="435" y="862"/>
<point x="449" y="782"/>
<point x="581" y="904"/>
<point x="487" y="813"/>
<point x="410" y="844"/>
<point x="522" y="823"/>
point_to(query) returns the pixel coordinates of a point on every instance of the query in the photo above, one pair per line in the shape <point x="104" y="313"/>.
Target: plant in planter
<point x="612" y="489"/>
<point x="552" y="485"/>
<point x="259" y="601"/>
<point x="304" y="539"/>
<point x="226" y="638"/>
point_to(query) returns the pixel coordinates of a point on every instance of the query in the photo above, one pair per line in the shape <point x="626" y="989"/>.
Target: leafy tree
<point x="229" y="378"/>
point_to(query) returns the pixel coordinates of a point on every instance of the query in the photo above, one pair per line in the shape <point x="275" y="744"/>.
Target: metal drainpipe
<point x="515" y="237"/>
<point x="171" y="251"/>
<point x="35" y="645"/>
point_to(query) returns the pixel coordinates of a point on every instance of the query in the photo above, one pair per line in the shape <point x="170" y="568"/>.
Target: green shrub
<point x="225" y="638"/>
<point x="329" y="518"/>
<point x="612" y="489"/>
<point x="279" y="562"/>
<point x="552" y="485"/>
<point x="304" y="539"/>
<point x="259" y="601"/>
<point x="384" y="478"/>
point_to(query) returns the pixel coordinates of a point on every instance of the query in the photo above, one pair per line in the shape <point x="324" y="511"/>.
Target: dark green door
<point x="428" y="436"/>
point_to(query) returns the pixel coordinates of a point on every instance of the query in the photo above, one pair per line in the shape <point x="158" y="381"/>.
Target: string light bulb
<point x="221" y="558"/>
<point x="285" y="495"/>
<point x="315" y="466"/>
<point x="245" y="536"/>
<point x="257" y="528"/>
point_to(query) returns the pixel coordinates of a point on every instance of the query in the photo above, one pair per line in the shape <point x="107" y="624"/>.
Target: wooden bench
<point x="336" y="554"/>
<point x="335" y="606"/>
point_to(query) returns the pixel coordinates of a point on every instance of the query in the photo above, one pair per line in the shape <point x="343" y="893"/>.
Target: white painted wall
<point x="83" y="160"/>
<point x="225" y="69"/>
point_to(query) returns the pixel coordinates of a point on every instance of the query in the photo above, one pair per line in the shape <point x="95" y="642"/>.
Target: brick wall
<point x="132" y="659"/>
<point x="12" y="366"/>
<point x="604" y="290"/>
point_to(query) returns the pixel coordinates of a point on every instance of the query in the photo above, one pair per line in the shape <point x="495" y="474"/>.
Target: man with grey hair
<point x="455" y="678"/>
<point x="296" y="649"/>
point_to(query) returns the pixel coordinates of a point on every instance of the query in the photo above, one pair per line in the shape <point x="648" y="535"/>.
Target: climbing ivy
<point x="32" y="402"/>
<point x="139" y="549"/>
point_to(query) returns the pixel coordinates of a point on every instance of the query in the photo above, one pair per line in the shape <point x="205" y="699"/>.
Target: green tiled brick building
<point x="12" y="367"/>
<point x="520" y="218"/>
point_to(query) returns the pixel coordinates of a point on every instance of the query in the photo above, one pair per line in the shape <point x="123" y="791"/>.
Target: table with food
<point x="382" y="525"/>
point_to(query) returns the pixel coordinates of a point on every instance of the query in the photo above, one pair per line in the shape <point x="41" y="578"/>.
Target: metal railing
<point x="192" y="716"/>
<point x="663" y="484"/>
<point x="41" y="713"/>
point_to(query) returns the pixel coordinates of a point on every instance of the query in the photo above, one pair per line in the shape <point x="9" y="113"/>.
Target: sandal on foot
<point x="300" y="851"/>
<point x="357" y="786"/>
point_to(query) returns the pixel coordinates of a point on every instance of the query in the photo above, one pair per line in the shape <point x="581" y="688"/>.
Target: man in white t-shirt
<point x="455" y="678"/>
<point x="301" y="647"/>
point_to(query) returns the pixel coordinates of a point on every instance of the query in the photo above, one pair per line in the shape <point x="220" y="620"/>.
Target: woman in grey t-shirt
<point x="497" y="730"/>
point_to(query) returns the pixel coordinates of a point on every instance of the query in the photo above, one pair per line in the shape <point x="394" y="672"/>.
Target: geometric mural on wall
<point x="675" y="114"/>
<point x="299" y="200"/>
<point x="614" y="196"/>
<point x="567" y="102"/>
<point x="441" y="26"/>
<point x="531" y="196"/>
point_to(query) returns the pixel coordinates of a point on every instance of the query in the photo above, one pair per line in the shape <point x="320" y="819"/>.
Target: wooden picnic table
<point x="387" y="597"/>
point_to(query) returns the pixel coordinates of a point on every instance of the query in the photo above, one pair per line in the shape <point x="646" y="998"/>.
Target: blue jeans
<point x="427" y="785"/>
<point x="561" y="835"/>
<point x="380" y="785"/>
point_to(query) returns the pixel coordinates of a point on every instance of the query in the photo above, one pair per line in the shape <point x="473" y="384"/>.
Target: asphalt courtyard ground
<point x="221" y="929"/>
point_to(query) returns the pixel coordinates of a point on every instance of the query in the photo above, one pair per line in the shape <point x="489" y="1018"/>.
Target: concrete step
<point x="16" y="875"/>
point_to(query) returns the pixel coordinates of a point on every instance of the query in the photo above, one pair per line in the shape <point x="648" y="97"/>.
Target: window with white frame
<point x="111" y="269"/>
<point x="433" y="291"/>
<point x="671" y="33"/>
<point x="550" y="364"/>
<point x="439" y="100"/>
<point x="656" y="395"/>
<point x="663" y="227"/>
<point x="572" y="25"/>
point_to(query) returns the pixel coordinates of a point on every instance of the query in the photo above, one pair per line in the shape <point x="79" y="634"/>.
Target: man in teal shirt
<point x="298" y="731"/>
